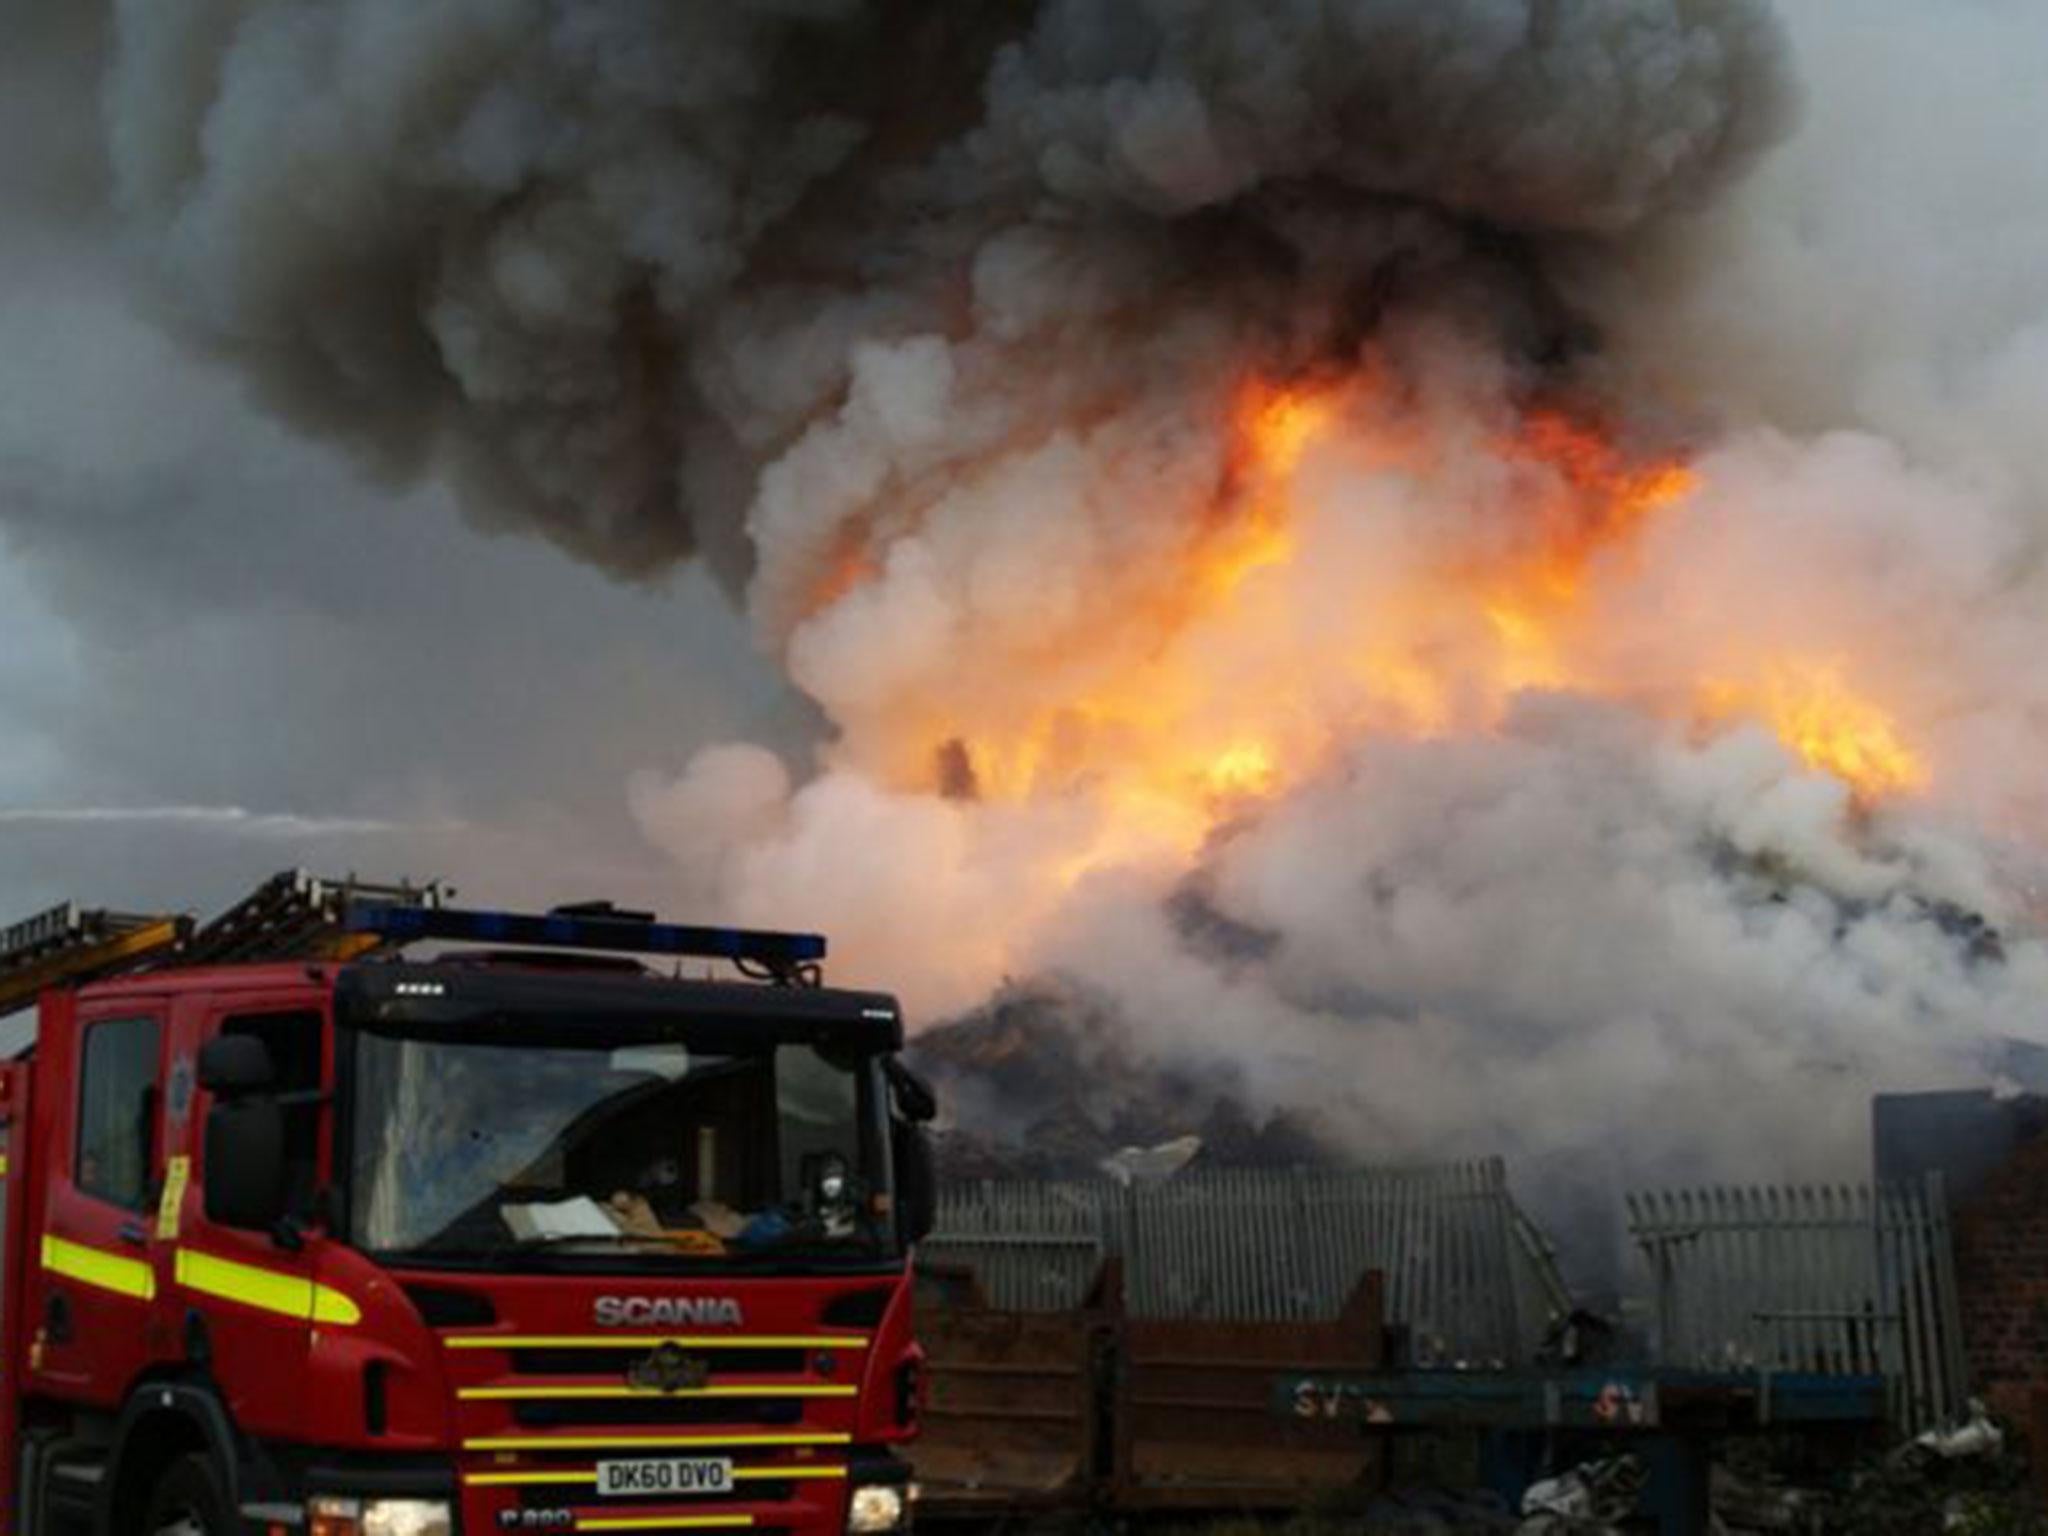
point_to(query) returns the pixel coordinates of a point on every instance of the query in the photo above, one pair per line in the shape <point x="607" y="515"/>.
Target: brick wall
<point x="2002" y="1280"/>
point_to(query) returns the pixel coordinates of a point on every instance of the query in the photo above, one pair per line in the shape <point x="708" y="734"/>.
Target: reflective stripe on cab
<point x="267" y="1290"/>
<point x="103" y="1271"/>
<point x="264" y="1289"/>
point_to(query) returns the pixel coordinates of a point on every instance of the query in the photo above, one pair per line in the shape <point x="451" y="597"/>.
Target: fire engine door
<point x="98" y="1278"/>
<point x="252" y="1293"/>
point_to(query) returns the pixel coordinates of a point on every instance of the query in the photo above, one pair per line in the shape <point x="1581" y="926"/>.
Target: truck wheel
<point x="188" y="1502"/>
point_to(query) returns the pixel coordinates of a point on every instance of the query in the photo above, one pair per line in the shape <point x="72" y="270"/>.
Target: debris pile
<point x="1744" y="1503"/>
<point x="1036" y="1084"/>
<point x="1438" y="1512"/>
<point x="1969" y="1478"/>
<point x="1591" y="1499"/>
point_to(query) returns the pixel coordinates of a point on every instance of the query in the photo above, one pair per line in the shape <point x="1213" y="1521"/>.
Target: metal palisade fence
<point x="1832" y="1279"/>
<point x="1467" y="1277"/>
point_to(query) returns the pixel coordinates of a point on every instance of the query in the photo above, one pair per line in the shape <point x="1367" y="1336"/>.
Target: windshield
<point x="490" y="1150"/>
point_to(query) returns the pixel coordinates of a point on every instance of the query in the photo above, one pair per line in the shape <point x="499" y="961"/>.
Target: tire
<point x="188" y="1501"/>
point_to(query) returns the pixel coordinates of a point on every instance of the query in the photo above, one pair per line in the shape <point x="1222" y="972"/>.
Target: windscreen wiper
<point x="809" y="1241"/>
<point x="542" y="1246"/>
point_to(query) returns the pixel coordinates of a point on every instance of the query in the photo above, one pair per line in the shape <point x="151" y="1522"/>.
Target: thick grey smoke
<point x="606" y="260"/>
<point x="930" y="326"/>
<point x="1574" y="937"/>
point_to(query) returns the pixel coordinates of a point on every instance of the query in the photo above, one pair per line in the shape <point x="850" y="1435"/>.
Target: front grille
<point x="610" y="1362"/>
<point x="610" y="1413"/>
<point x="539" y="1410"/>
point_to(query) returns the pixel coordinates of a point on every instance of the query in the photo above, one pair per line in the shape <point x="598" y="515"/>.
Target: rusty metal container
<point x="1012" y="1419"/>
<point x="1194" y="1426"/>
<point x="1094" y="1408"/>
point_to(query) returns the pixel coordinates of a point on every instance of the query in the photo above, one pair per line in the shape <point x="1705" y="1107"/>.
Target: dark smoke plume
<point x="611" y="260"/>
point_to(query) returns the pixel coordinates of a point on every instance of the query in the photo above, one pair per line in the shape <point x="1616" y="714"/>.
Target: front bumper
<point x="796" y="1491"/>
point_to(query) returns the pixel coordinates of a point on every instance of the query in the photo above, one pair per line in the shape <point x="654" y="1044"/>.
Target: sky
<point x="227" y="649"/>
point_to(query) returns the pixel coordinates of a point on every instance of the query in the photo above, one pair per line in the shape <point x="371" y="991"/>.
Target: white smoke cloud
<point x="1609" y="938"/>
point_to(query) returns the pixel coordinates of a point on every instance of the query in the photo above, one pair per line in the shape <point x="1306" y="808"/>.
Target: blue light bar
<point x="407" y="924"/>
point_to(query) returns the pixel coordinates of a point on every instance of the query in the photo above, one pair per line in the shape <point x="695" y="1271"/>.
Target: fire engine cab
<point x="355" y="1214"/>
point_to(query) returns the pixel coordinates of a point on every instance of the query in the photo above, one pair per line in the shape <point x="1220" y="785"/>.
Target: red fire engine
<point x="355" y="1214"/>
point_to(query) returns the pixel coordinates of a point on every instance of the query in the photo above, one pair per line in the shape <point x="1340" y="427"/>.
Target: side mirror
<point x="233" y="1065"/>
<point x="917" y="1198"/>
<point x="245" y="1161"/>
<point x="915" y="1100"/>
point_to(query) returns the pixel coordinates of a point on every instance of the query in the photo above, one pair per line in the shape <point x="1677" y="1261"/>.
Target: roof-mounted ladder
<point x="67" y="946"/>
<point x="291" y="916"/>
<point x="295" y="916"/>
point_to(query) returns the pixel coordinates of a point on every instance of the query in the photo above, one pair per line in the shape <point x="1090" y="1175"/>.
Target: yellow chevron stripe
<point x="650" y="1341"/>
<point x="264" y="1289"/>
<point x="588" y="1476"/>
<point x="103" y="1271"/>
<point x="481" y="1394"/>
<point x="643" y="1442"/>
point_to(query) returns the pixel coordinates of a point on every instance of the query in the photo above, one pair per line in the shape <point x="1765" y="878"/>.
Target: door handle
<point x="132" y="1232"/>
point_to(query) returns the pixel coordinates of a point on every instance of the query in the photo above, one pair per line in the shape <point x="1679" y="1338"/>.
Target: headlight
<point x="407" y="1517"/>
<point x="381" y="1517"/>
<point x="875" y="1508"/>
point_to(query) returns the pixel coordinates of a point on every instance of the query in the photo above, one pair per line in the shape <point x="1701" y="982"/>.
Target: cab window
<point x="116" y="1110"/>
<point x="293" y="1039"/>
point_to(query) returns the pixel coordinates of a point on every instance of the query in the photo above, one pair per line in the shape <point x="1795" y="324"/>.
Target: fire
<point x="1301" y="621"/>
<point x="1601" y="501"/>
<point x="1273" y="428"/>
<point x="1597" y="504"/>
<point x="1243" y="769"/>
<point x="1279" y="423"/>
<point x="1813" y="710"/>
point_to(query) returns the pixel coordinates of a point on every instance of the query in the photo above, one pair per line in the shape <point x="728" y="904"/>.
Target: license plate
<point x="664" y="1474"/>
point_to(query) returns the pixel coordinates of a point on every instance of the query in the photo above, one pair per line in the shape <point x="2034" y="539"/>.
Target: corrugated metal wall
<point x="1831" y="1279"/>
<point x="1465" y="1274"/>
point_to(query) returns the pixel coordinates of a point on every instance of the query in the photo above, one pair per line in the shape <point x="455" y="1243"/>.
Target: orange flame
<point x="1599" y="502"/>
<point x="1273" y="428"/>
<point x="1244" y="768"/>
<point x="1812" y="709"/>
<point x="1175" y="710"/>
